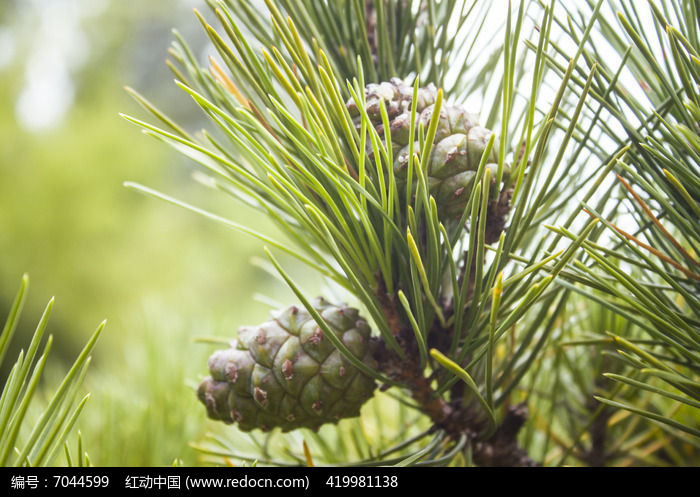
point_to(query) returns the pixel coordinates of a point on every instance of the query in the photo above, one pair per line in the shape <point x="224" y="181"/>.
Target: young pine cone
<point x="286" y="373"/>
<point x="457" y="149"/>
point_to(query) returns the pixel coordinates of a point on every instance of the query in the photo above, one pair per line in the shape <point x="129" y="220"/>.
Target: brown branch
<point x="597" y="455"/>
<point x="502" y="448"/>
<point x="496" y="215"/>
<point x="408" y="373"/>
<point x="455" y="418"/>
<point x="388" y="307"/>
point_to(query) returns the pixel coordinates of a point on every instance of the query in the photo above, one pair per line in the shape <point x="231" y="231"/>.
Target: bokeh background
<point x="161" y="276"/>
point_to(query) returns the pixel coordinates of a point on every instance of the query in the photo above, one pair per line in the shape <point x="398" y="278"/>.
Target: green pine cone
<point x="286" y="373"/>
<point x="457" y="149"/>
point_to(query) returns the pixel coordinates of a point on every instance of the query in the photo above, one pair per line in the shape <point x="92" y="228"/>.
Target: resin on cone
<point x="286" y="373"/>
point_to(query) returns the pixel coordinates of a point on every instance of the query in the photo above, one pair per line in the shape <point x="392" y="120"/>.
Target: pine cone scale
<point x="286" y="373"/>
<point x="458" y="145"/>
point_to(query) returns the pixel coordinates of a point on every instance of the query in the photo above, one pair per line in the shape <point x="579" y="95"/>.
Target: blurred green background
<point x="160" y="276"/>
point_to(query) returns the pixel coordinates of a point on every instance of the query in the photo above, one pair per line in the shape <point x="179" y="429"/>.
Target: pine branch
<point x="371" y="181"/>
<point x="655" y="265"/>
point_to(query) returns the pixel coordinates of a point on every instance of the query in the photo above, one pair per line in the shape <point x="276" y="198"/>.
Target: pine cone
<point x="457" y="149"/>
<point x="286" y="373"/>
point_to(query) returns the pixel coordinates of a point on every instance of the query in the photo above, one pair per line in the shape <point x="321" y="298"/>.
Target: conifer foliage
<point x="467" y="247"/>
